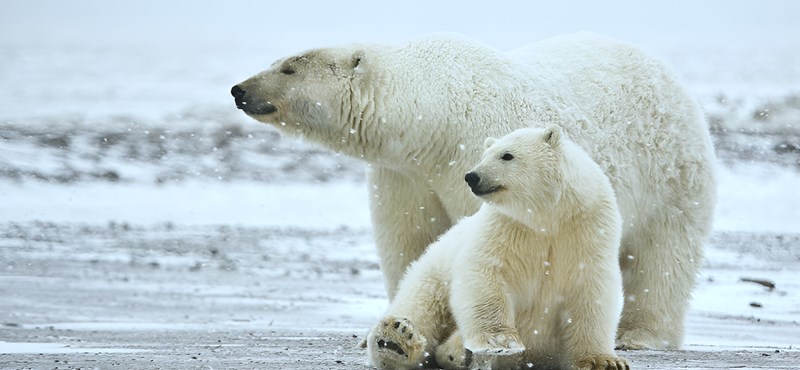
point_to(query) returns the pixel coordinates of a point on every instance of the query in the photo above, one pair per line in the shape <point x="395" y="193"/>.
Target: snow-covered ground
<point x="123" y="157"/>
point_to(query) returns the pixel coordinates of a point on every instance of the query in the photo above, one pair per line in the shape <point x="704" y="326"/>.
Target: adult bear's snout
<point x="245" y="102"/>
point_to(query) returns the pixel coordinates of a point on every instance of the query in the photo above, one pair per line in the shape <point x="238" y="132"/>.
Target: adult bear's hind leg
<point x="659" y="270"/>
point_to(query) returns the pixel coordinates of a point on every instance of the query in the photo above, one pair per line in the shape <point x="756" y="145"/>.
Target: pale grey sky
<point x="501" y="23"/>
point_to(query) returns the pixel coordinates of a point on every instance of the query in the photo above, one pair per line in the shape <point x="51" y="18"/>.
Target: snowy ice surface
<point x="247" y="204"/>
<point x="755" y="198"/>
<point x="759" y="198"/>
<point x="6" y="347"/>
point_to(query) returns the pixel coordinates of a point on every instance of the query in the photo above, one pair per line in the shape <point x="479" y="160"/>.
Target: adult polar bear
<point x="419" y="112"/>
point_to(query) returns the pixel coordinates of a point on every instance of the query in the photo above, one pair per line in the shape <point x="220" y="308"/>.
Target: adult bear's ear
<point x="552" y="135"/>
<point x="488" y="142"/>
<point x="357" y="59"/>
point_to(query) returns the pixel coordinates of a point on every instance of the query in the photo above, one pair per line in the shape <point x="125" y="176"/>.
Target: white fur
<point x="535" y="269"/>
<point x="419" y="112"/>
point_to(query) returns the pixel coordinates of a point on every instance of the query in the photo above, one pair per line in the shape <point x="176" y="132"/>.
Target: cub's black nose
<point x="472" y="179"/>
<point x="237" y="92"/>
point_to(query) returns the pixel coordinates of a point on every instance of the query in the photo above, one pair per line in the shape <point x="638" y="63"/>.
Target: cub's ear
<point x="552" y="135"/>
<point x="488" y="142"/>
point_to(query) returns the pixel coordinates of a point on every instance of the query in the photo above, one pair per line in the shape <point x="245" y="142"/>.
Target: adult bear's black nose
<point x="238" y="96"/>
<point x="237" y="92"/>
<point x="472" y="179"/>
<point x="245" y="102"/>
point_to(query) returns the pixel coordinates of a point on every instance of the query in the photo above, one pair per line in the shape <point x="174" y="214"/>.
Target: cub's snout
<point x="472" y="179"/>
<point x="478" y="187"/>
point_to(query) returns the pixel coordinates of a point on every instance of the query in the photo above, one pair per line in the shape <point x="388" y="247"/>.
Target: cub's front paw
<point x="394" y="344"/>
<point x="505" y="343"/>
<point x="501" y="350"/>
<point x="602" y="362"/>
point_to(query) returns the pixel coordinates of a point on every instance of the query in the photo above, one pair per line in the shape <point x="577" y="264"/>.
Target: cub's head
<point x="520" y="170"/>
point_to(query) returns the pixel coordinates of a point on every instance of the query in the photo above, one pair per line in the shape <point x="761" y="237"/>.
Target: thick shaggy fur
<point x="535" y="269"/>
<point x="418" y="113"/>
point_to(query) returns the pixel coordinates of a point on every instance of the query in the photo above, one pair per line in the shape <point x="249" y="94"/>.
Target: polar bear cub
<point x="533" y="278"/>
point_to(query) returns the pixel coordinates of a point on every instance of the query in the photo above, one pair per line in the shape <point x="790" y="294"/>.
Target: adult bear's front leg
<point x="406" y="217"/>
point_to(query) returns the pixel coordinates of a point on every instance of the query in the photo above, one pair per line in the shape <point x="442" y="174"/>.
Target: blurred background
<point x="145" y="56"/>
<point x="124" y="93"/>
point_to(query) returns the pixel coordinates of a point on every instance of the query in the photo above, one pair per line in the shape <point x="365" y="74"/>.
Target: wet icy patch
<point x="757" y="198"/>
<point x="56" y="348"/>
<point x="253" y="204"/>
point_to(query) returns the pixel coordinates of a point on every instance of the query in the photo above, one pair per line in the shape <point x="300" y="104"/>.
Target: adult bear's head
<point x="320" y="94"/>
<point x="382" y="103"/>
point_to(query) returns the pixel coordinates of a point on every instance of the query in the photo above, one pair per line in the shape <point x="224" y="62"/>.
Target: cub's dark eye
<point x="287" y="71"/>
<point x="507" y="157"/>
<point x="356" y="62"/>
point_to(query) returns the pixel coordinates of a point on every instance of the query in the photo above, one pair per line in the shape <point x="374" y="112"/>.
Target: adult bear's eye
<point x="507" y="157"/>
<point x="287" y="71"/>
